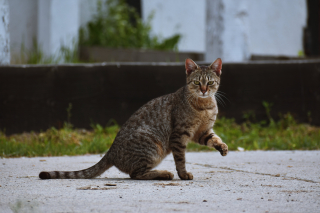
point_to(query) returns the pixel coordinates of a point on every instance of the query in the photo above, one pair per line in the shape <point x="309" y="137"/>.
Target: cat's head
<point x="203" y="80"/>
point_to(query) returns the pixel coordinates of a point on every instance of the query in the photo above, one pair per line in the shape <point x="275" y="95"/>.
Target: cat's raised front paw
<point x="223" y="149"/>
<point x="217" y="143"/>
<point x="186" y="176"/>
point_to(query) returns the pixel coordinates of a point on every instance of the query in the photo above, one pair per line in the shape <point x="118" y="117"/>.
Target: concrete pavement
<point x="255" y="181"/>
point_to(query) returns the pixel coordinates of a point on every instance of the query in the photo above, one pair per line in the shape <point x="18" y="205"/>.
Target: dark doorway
<point x="136" y="4"/>
<point x="312" y="31"/>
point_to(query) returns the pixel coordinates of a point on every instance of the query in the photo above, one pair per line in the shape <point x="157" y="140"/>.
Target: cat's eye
<point x="196" y="82"/>
<point x="210" y="82"/>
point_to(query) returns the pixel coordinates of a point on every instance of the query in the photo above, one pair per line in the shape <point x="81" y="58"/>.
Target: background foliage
<point x="119" y="26"/>
<point x="116" y="25"/>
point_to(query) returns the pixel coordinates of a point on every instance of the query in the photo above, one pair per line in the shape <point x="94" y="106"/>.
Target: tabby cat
<point x="163" y="125"/>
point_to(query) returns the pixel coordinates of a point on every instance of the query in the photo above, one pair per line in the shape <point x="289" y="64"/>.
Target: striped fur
<point x="163" y="125"/>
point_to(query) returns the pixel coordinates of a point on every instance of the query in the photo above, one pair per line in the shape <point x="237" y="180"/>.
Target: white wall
<point x="276" y="27"/>
<point x="23" y="24"/>
<point x="235" y="35"/>
<point x="186" y="17"/>
<point x="254" y="27"/>
<point x="88" y="8"/>
<point x="4" y="33"/>
<point x="58" y="24"/>
<point x="51" y="22"/>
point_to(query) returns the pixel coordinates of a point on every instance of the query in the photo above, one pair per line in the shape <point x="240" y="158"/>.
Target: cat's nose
<point x="203" y="89"/>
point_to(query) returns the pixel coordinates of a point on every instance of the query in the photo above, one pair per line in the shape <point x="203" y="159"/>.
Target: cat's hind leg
<point x="145" y="173"/>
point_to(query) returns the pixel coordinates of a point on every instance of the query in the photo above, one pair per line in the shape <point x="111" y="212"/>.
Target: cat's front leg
<point x="212" y="140"/>
<point x="178" y="149"/>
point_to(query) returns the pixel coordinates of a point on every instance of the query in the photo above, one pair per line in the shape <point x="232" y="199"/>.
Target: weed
<point x="267" y="107"/>
<point x="249" y="116"/>
<point x="68" y="124"/>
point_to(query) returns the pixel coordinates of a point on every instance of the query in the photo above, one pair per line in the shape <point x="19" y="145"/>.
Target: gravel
<point x="255" y="181"/>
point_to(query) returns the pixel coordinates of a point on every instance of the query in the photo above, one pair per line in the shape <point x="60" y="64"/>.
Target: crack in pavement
<point x="258" y="173"/>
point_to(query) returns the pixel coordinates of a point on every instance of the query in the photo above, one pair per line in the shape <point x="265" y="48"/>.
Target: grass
<point x="285" y="134"/>
<point x="54" y="142"/>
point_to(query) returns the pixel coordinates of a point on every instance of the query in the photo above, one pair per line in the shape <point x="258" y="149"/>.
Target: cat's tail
<point x="91" y="172"/>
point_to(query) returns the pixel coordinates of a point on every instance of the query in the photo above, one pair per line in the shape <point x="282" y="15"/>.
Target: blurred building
<point x="234" y="30"/>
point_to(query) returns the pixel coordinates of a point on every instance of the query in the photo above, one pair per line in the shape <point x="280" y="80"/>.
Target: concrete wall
<point x="88" y="9"/>
<point x="276" y="27"/>
<point x="186" y="17"/>
<point x="238" y="29"/>
<point x="35" y="98"/>
<point x="235" y="34"/>
<point x="23" y="25"/>
<point x="58" y="24"/>
<point x="232" y="30"/>
<point x="4" y="33"/>
<point x="51" y="23"/>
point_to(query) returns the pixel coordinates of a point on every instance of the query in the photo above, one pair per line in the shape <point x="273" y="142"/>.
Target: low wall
<point x="34" y="98"/>
<point x="103" y="54"/>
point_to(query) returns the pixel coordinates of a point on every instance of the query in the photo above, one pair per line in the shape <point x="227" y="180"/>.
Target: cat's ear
<point x="191" y="66"/>
<point x="216" y="66"/>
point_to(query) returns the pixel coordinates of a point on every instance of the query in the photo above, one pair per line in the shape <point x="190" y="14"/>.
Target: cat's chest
<point x="206" y="118"/>
<point x="203" y="121"/>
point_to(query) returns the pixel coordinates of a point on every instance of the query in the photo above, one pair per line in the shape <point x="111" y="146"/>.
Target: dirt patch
<point x="95" y="188"/>
<point x="110" y="184"/>
<point x="297" y="191"/>
<point x="278" y="186"/>
<point x="166" y="184"/>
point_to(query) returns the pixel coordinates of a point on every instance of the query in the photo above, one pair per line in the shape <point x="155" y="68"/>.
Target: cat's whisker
<point x="222" y="104"/>
<point x="222" y="95"/>
<point x="220" y="101"/>
<point x="221" y="92"/>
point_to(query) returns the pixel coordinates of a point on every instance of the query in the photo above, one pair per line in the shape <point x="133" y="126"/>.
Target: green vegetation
<point x="35" y="55"/>
<point x="116" y="25"/>
<point x="54" y="142"/>
<point x="285" y="134"/>
<point x="119" y="26"/>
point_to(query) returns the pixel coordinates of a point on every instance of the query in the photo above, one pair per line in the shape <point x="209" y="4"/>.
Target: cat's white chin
<point x="203" y="96"/>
